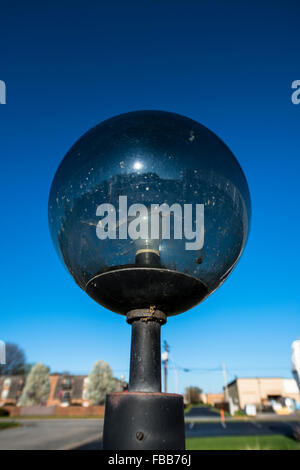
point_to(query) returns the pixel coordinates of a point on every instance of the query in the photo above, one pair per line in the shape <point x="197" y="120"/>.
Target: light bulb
<point x="147" y="245"/>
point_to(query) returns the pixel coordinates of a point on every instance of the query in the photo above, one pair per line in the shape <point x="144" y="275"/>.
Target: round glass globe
<point x="149" y="209"/>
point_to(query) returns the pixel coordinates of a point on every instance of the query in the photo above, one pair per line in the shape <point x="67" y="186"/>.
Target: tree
<point x="15" y="360"/>
<point x="101" y="382"/>
<point x="37" y="386"/>
<point x="193" y="394"/>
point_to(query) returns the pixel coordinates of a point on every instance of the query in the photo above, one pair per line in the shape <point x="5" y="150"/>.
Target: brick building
<point x="65" y="389"/>
<point x="10" y="389"/>
<point x="212" y="398"/>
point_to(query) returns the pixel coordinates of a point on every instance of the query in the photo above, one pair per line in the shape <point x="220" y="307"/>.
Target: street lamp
<point x="149" y="211"/>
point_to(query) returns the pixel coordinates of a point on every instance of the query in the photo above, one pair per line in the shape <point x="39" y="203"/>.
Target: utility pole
<point x="176" y="379"/>
<point x="228" y="399"/>
<point x="226" y="396"/>
<point x="165" y="358"/>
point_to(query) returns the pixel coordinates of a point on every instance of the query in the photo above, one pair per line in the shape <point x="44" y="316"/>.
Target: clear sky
<point x="68" y="65"/>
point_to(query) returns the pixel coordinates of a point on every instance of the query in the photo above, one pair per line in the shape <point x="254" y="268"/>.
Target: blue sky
<point x="70" y="65"/>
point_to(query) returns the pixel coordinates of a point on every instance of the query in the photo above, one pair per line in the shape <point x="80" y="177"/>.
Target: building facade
<point x="65" y="389"/>
<point x="11" y="388"/>
<point x="212" y="398"/>
<point x="261" y="391"/>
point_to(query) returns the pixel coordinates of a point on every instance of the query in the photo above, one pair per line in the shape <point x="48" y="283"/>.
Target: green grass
<point x="239" y="414"/>
<point x="8" y="425"/>
<point x="274" y="442"/>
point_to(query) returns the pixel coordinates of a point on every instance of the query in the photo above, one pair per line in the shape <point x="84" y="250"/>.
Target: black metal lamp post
<point x="149" y="211"/>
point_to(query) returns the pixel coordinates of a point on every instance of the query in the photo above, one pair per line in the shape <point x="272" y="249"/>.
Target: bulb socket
<point x="148" y="258"/>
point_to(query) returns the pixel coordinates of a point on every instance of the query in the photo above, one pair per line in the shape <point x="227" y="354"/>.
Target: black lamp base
<point x="143" y="421"/>
<point x="139" y="287"/>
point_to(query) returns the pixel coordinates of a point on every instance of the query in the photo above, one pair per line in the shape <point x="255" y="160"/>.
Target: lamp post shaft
<point x="145" y="361"/>
<point x="144" y="418"/>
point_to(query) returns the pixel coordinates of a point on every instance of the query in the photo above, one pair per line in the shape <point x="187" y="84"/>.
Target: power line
<point x="218" y="369"/>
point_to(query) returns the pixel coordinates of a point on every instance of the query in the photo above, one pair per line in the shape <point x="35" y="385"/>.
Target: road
<point x="230" y="428"/>
<point x="205" y="413"/>
<point x="205" y="422"/>
<point x="85" y="434"/>
<point x="202" y="412"/>
<point x="51" y="434"/>
<point x="241" y="428"/>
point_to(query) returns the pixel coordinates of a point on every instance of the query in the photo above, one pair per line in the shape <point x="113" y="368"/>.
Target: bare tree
<point x="15" y="361"/>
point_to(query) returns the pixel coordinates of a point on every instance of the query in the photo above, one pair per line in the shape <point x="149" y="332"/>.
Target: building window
<point x="4" y="394"/>
<point x="7" y="382"/>
<point x="67" y="383"/>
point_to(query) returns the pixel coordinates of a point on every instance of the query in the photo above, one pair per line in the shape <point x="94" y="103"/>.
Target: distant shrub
<point x="239" y="413"/>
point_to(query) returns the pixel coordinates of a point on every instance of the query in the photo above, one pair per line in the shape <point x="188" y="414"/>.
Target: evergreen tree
<point x="37" y="386"/>
<point x="101" y="382"/>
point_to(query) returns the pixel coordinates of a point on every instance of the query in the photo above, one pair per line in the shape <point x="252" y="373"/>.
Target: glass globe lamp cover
<point x="149" y="209"/>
